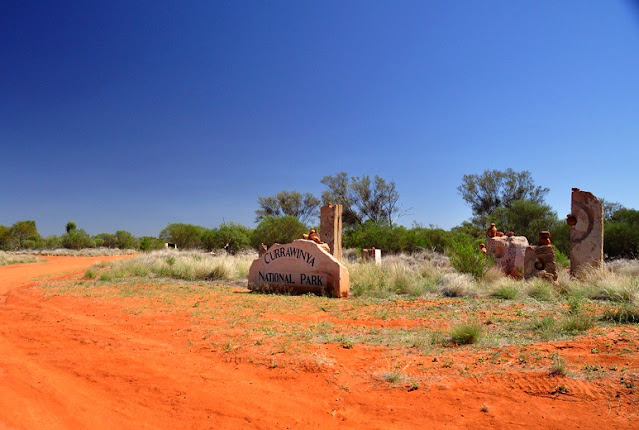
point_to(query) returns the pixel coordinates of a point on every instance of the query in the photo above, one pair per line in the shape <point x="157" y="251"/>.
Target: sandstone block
<point x="301" y="266"/>
<point x="586" y="231"/>
<point x="509" y="253"/>
<point x="331" y="228"/>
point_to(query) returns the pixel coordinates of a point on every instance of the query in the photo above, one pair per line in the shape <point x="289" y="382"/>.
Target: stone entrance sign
<point x="331" y="228"/>
<point x="586" y="231"/>
<point x="509" y="253"/>
<point x="301" y="266"/>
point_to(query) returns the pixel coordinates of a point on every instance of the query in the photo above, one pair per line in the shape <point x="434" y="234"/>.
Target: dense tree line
<point x="25" y="235"/>
<point x="510" y="199"/>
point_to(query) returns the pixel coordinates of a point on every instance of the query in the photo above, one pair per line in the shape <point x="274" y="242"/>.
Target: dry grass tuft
<point x="190" y="266"/>
<point x="87" y="252"/>
<point x="8" y="258"/>
<point x="458" y="285"/>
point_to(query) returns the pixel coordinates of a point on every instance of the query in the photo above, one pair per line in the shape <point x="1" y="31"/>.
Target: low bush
<point x="577" y="323"/>
<point x="231" y="237"/>
<point x="465" y="257"/>
<point x="558" y="366"/>
<point x="541" y="290"/>
<point x="466" y="333"/>
<point x="624" y="314"/>
<point x="273" y="230"/>
<point x="507" y="291"/>
<point x="546" y="327"/>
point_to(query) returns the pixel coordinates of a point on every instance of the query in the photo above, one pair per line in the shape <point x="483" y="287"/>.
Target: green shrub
<point x="369" y="280"/>
<point x="387" y="238"/>
<point x="626" y="313"/>
<point x="561" y="259"/>
<point x="435" y="239"/>
<point x="558" y="366"/>
<point x="149" y="243"/>
<point x="232" y="237"/>
<point x="52" y="242"/>
<point x="273" y="230"/>
<point x="107" y="240"/>
<point x="397" y="239"/>
<point x="621" y="234"/>
<point x="576" y="323"/>
<point x="22" y="231"/>
<point x="466" y="333"/>
<point x="546" y="327"/>
<point x="77" y="239"/>
<point x="541" y="290"/>
<point x="185" y="236"/>
<point x="125" y="240"/>
<point x="466" y="257"/>
<point x="507" y="291"/>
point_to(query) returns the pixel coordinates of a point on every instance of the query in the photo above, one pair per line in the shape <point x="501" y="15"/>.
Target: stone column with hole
<point x="331" y="228"/>
<point x="586" y="231"/>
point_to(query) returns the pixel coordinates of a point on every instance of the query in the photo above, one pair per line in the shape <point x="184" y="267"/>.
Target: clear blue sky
<point x="134" y="114"/>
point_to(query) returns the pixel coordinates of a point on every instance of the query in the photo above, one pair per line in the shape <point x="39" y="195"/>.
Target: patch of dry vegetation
<point x="189" y="266"/>
<point x="86" y="252"/>
<point x="424" y="274"/>
<point x="8" y="258"/>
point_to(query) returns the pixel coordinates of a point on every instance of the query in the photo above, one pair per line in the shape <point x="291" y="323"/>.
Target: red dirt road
<point x="75" y="362"/>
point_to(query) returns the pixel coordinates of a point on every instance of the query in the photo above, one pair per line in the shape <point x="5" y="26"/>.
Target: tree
<point x="124" y="240"/>
<point x="288" y="203"/>
<point x="610" y="208"/>
<point x="149" y="243"/>
<point x="22" y="231"/>
<point x="525" y="218"/>
<point x="77" y="239"/>
<point x="183" y="235"/>
<point x="71" y="225"/>
<point x="494" y="188"/>
<point x="107" y="240"/>
<point x="231" y="237"/>
<point x="272" y="230"/>
<point x="6" y="239"/>
<point x="621" y="234"/>
<point x="363" y="199"/>
<point x="52" y="242"/>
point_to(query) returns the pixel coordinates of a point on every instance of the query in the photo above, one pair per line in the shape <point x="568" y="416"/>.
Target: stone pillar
<point x="586" y="231"/>
<point x="331" y="228"/>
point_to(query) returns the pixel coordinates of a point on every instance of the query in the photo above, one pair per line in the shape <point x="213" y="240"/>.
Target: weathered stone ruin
<point x="586" y="231"/>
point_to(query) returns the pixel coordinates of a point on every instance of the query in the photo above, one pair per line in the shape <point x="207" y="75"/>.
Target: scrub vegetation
<point x="7" y="258"/>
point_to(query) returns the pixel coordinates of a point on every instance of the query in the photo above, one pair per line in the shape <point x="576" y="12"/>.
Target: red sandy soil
<point x="76" y="362"/>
